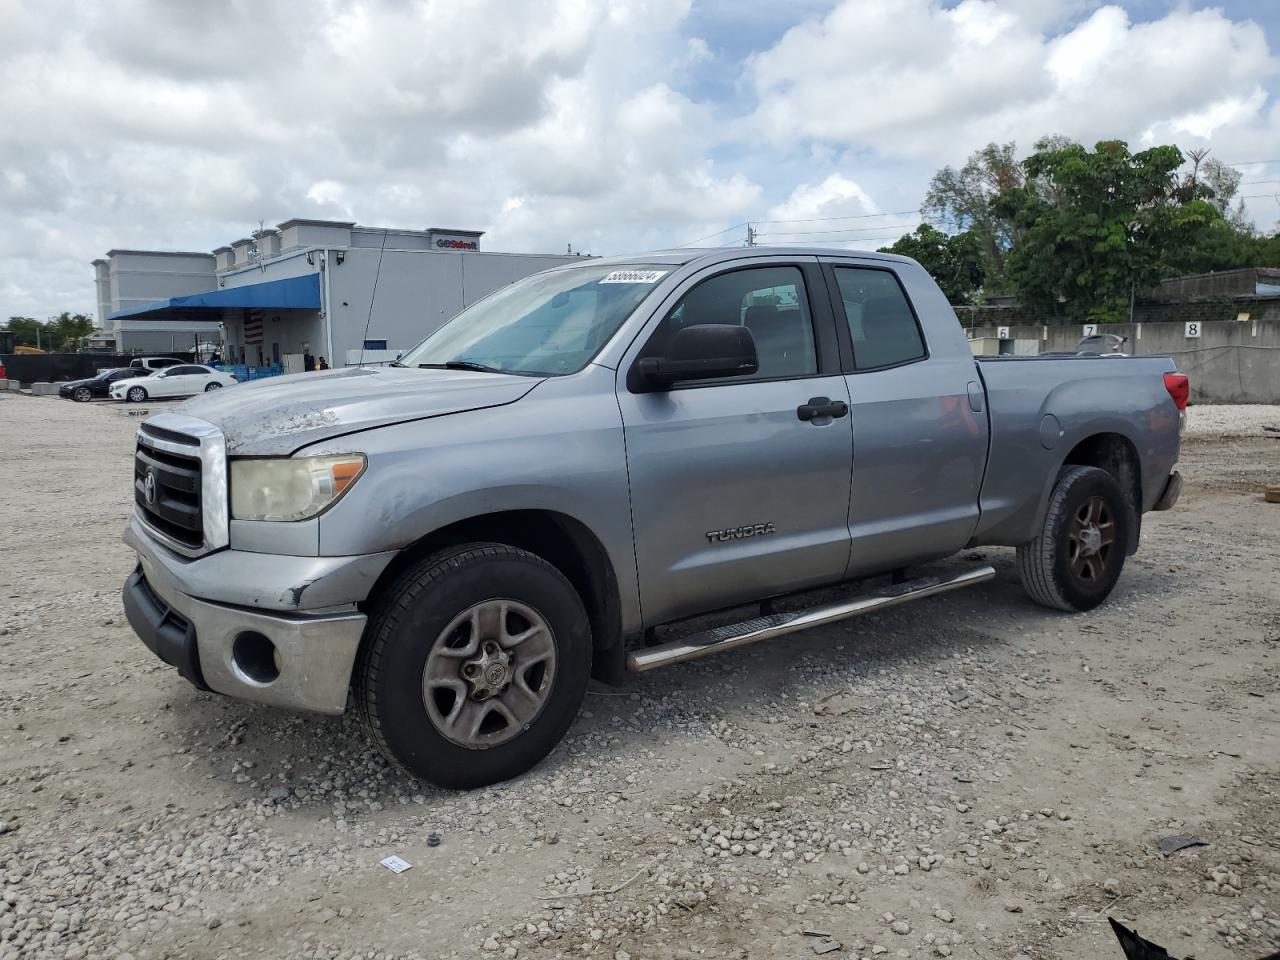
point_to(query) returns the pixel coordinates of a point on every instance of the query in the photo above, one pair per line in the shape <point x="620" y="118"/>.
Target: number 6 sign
<point x="1193" y="329"/>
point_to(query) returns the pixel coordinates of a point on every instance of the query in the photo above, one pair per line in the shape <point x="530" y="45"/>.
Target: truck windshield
<point x="550" y="324"/>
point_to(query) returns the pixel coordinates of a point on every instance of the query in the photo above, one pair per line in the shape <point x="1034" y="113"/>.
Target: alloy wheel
<point x="1092" y="535"/>
<point x="489" y="673"/>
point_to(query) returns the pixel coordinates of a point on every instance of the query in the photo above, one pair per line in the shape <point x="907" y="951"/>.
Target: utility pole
<point x="751" y="235"/>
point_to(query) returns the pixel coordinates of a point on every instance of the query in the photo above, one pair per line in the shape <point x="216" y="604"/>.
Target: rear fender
<point x="1028" y="449"/>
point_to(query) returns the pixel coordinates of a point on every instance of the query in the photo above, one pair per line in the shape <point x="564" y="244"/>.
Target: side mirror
<point x="703" y="351"/>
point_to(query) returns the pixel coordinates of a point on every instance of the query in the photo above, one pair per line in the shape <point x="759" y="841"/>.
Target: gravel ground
<point x="971" y="776"/>
<point x="1234" y="420"/>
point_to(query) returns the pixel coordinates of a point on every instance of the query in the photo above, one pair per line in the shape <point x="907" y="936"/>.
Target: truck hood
<point x="278" y="415"/>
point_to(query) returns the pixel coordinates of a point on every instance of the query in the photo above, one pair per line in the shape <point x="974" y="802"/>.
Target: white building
<point x="129" y="279"/>
<point x="323" y="287"/>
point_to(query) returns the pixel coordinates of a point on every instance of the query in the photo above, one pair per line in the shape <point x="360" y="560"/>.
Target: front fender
<point x="558" y="449"/>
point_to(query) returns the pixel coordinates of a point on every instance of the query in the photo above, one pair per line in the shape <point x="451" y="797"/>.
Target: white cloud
<point x="180" y="125"/>
<point x="836" y="196"/>
<point x="147" y="123"/>
<point x="909" y="78"/>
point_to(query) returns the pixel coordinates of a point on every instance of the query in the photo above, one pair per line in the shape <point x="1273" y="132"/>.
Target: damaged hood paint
<point x="279" y="415"/>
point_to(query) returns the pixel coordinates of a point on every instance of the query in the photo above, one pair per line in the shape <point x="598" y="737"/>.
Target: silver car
<point x="454" y="544"/>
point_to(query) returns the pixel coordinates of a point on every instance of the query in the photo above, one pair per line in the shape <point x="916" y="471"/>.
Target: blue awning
<point x="293" y="293"/>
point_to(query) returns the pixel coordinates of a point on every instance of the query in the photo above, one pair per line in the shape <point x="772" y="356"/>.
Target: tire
<point x="81" y="394"/>
<point x="135" y="395"/>
<point x="425" y="638"/>
<point x="212" y="385"/>
<point x="1066" y="567"/>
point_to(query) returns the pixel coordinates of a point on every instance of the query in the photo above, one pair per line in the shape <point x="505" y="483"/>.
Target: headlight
<point x="290" y="489"/>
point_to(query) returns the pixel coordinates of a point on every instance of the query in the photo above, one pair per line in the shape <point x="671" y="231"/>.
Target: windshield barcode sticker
<point x="634" y="276"/>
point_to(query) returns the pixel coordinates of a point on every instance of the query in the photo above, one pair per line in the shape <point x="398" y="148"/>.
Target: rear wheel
<point x="474" y="665"/>
<point x="135" y="394"/>
<point x="1075" y="562"/>
<point x="212" y="385"/>
<point x="82" y="394"/>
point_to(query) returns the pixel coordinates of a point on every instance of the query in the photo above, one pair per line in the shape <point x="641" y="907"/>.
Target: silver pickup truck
<point x="456" y="543"/>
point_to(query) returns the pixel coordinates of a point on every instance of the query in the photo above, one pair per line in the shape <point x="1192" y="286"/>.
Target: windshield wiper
<point x="460" y="365"/>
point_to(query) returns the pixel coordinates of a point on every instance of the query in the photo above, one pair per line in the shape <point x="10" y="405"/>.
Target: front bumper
<point x="296" y="658"/>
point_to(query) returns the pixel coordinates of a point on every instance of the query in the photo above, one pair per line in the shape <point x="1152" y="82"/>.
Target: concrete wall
<point x="131" y="278"/>
<point x="296" y="234"/>
<point x="102" y="289"/>
<point x="1230" y="362"/>
<point x="161" y="339"/>
<point x="137" y="277"/>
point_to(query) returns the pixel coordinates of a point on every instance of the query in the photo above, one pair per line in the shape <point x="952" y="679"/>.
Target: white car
<point x="154" y="363"/>
<point x="185" y="380"/>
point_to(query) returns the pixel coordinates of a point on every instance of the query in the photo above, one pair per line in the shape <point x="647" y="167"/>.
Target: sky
<point x="616" y="126"/>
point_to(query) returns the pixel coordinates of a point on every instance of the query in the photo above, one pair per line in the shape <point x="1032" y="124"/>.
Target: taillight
<point x="1179" y="388"/>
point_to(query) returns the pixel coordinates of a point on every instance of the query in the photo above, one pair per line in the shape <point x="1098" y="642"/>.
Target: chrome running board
<point x="776" y="624"/>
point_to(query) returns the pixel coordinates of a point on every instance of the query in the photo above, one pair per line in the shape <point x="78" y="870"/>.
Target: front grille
<point x="160" y="433"/>
<point x="174" y="508"/>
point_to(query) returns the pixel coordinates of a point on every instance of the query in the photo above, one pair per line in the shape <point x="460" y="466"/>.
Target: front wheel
<point x="136" y="395"/>
<point x="212" y="385"/>
<point x="82" y="395"/>
<point x="474" y="665"/>
<point x="1076" y="560"/>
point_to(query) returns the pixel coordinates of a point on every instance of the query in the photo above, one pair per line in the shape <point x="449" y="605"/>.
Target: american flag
<point x="253" y="327"/>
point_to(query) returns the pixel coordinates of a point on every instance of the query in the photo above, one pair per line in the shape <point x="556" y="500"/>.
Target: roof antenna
<point x="372" y="297"/>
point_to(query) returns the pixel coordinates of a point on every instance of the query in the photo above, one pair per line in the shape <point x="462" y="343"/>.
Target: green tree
<point x="24" y="331"/>
<point x="1264" y="251"/>
<point x="954" y="261"/>
<point x="966" y="200"/>
<point x="1096" y="226"/>
<point x="64" y="332"/>
<point x="68" y="331"/>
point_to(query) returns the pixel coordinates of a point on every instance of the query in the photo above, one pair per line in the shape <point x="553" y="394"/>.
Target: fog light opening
<point x="256" y="657"/>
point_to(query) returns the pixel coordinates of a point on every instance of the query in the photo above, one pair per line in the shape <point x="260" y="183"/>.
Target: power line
<point x="858" y="216"/>
<point x="802" y="233"/>
<point x="810" y="243"/>
<point x="716" y="234"/>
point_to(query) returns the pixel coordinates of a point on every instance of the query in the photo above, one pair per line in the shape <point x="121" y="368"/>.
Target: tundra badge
<point x="739" y="533"/>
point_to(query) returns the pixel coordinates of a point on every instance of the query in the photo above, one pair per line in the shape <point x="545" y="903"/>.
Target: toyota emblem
<point x="149" y="488"/>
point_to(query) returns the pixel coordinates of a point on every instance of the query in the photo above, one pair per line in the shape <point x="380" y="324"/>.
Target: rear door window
<point x="883" y="328"/>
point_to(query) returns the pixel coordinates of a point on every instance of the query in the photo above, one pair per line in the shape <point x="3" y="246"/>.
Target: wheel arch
<point x="1117" y="455"/>
<point x="562" y="541"/>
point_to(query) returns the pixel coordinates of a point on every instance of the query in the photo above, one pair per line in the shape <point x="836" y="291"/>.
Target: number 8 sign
<point x="1193" y="329"/>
